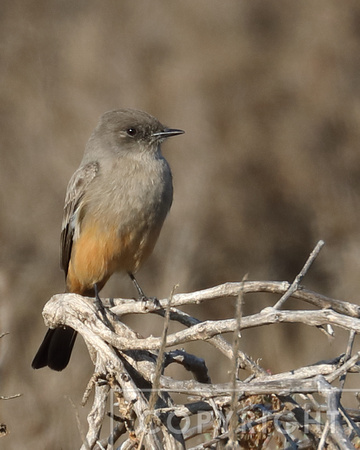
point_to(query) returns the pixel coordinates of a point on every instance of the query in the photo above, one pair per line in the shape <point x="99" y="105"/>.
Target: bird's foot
<point x="99" y="304"/>
<point x="150" y="303"/>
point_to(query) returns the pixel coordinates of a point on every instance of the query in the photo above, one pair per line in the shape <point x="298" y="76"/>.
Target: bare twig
<point x="85" y="445"/>
<point x="324" y="435"/>
<point x="160" y="356"/>
<point x="347" y="357"/>
<point x="332" y="396"/>
<point x="296" y="283"/>
<point x="236" y="346"/>
<point x="10" y="397"/>
<point x="343" y="369"/>
<point x="351" y="424"/>
<point x="158" y="370"/>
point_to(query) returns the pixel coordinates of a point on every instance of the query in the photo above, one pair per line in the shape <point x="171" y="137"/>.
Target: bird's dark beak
<point x="168" y="132"/>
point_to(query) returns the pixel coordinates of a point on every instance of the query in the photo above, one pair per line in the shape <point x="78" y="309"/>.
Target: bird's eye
<point x="131" y="131"/>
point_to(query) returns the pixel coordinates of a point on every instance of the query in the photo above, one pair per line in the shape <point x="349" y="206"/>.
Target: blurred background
<point x="269" y="96"/>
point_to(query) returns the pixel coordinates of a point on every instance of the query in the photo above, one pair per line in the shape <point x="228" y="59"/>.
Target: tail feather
<point x="55" y="350"/>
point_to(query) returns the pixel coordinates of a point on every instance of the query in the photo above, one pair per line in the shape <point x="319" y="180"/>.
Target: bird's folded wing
<point x="75" y="192"/>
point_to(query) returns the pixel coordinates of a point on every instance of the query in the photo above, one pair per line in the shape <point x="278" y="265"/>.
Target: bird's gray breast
<point x="131" y="192"/>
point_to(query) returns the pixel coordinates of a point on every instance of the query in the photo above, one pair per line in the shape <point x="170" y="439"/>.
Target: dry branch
<point x="246" y="413"/>
<point x="3" y="426"/>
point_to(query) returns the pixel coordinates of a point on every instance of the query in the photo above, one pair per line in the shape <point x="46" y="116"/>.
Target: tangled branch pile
<point x="302" y="408"/>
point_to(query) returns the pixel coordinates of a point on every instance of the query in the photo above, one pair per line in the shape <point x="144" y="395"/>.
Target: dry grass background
<point x="269" y="96"/>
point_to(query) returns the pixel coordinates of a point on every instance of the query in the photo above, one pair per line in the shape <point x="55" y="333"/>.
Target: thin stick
<point x="236" y="347"/>
<point x="10" y="397"/>
<point x="349" y="421"/>
<point x="343" y="369"/>
<point x="158" y="369"/>
<point x="295" y="285"/>
<point x="324" y="436"/>
<point x="79" y="426"/>
<point x="160" y="357"/>
<point x="346" y="358"/>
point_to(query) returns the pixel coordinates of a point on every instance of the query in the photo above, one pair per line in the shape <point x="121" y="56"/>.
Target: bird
<point x="115" y="205"/>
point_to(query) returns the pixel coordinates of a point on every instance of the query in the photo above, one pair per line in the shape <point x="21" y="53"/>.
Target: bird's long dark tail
<point x="55" y="350"/>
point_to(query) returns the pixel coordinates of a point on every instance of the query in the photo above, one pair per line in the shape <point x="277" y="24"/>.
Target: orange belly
<point x="100" y="251"/>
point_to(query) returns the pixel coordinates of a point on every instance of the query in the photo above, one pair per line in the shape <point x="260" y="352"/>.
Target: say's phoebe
<point x="115" y="205"/>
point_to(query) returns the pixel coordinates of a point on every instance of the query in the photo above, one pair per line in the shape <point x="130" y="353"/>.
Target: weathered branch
<point x="57" y="312"/>
<point x="125" y="306"/>
<point x="132" y="367"/>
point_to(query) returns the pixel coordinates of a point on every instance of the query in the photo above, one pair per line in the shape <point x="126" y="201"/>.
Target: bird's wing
<point x="75" y="191"/>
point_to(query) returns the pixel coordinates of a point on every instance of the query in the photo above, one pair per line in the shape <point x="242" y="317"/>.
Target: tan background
<point x="269" y="96"/>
